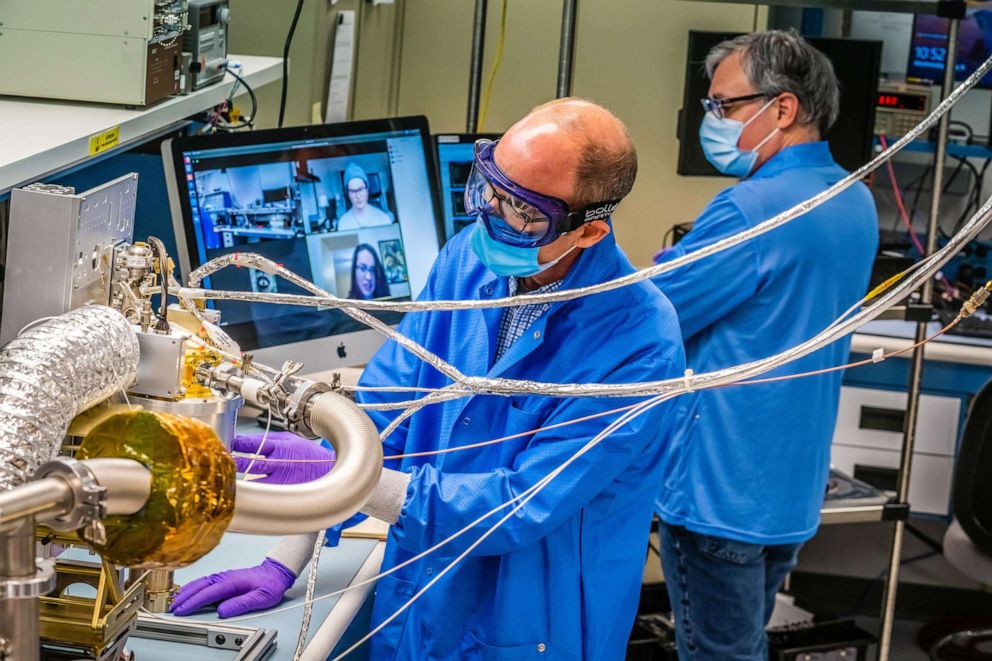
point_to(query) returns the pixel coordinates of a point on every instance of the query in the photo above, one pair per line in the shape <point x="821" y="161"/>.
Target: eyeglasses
<point x="715" y="106"/>
<point x="518" y="216"/>
<point x="358" y="190"/>
<point x="365" y="269"/>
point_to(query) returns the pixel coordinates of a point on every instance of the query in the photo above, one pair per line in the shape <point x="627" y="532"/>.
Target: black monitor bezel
<point x="451" y="139"/>
<point x="293" y="133"/>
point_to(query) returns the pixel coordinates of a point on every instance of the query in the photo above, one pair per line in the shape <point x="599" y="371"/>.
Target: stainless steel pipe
<point x="475" y="65"/>
<point x="18" y="615"/>
<point x="267" y="509"/>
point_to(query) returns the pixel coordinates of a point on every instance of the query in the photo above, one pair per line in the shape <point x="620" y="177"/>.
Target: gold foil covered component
<point x="192" y="494"/>
<point x="191" y="360"/>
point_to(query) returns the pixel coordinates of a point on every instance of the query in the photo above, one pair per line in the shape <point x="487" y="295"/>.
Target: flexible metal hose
<point x="52" y="372"/>
<point x="269" y="509"/>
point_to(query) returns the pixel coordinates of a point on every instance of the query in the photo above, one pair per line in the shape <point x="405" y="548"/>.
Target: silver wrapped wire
<point x="568" y="294"/>
<point x="485" y="385"/>
<point x="50" y="373"/>
<point x="256" y="261"/>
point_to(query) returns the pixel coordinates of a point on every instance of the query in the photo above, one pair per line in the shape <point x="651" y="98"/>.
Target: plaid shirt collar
<point x="516" y="320"/>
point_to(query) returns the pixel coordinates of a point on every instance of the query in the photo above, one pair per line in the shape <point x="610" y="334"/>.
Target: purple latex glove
<point x="239" y="590"/>
<point x="282" y="445"/>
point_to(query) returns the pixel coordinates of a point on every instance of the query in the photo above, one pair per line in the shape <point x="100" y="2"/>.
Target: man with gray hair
<point x="743" y="485"/>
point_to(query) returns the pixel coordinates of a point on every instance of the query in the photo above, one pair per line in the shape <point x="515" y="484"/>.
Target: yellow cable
<point x="484" y="108"/>
<point x="884" y="286"/>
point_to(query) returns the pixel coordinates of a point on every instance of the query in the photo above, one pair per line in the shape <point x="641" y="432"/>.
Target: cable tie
<point x="687" y="380"/>
<point x="878" y="355"/>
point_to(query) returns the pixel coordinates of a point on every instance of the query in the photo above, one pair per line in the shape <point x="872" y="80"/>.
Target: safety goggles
<point x="518" y="216"/>
<point x="716" y="106"/>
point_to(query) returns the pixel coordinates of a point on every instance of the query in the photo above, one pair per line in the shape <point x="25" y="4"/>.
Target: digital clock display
<point x="898" y="101"/>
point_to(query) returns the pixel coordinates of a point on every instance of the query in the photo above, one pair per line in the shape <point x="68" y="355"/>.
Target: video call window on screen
<point x="352" y="212"/>
<point x="332" y="218"/>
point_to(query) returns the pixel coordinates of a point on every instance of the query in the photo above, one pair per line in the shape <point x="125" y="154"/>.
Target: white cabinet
<point x="868" y="439"/>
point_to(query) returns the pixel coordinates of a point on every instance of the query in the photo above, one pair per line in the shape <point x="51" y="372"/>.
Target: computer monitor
<point x="348" y="206"/>
<point x="856" y="63"/>
<point x="455" y="152"/>
<point x="928" y="47"/>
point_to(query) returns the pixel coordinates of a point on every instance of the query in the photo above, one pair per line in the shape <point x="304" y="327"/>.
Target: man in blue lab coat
<point x="560" y="578"/>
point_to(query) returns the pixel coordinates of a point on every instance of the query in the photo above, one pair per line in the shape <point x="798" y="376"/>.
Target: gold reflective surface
<point x="192" y="493"/>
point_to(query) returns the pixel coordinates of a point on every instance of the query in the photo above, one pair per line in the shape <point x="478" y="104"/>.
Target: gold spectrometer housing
<point x="192" y="491"/>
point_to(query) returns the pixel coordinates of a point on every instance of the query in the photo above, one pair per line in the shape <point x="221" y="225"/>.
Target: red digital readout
<point x="902" y="101"/>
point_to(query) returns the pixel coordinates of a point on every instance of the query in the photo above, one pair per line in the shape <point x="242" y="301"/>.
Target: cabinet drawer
<point x="872" y="418"/>
<point x="930" y="482"/>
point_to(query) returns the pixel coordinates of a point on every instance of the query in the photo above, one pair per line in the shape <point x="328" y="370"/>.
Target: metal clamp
<point x="297" y="404"/>
<point x="88" y="497"/>
<point x="31" y="587"/>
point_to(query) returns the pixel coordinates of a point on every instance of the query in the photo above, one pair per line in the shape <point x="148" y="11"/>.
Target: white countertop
<point x="40" y="137"/>
<point x="893" y="335"/>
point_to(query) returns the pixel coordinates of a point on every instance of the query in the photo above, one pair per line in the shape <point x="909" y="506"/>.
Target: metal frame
<point x="566" y="57"/>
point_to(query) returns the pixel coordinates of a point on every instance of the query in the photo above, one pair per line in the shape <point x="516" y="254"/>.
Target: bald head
<point x="572" y="149"/>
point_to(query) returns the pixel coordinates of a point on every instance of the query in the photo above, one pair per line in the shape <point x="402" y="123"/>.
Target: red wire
<point x="899" y="203"/>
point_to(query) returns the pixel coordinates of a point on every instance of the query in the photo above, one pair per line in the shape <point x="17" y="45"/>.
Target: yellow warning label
<point x="101" y="142"/>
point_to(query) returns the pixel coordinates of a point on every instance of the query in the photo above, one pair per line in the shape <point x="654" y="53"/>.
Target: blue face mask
<point x="719" y="138"/>
<point x="506" y="260"/>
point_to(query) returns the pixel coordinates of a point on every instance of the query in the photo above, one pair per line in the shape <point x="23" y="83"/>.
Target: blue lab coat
<point x="750" y="463"/>
<point x="560" y="579"/>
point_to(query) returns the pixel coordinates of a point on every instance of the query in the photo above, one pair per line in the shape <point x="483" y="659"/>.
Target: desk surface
<point x="40" y="137"/>
<point x="338" y="568"/>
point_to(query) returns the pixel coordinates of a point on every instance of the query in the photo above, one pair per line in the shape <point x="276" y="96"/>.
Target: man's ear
<point x="591" y="233"/>
<point x="787" y="110"/>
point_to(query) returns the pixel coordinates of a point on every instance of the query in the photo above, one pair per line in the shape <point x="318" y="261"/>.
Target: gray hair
<point x="780" y="61"/>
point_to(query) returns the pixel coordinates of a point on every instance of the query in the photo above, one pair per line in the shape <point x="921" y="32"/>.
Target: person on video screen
<point x="368" y="279"/>
<point x="361" y="214"/>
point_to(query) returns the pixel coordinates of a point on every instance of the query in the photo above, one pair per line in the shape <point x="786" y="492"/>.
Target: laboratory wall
<point x="412" y="57"/>
<point x="630" y="56"/>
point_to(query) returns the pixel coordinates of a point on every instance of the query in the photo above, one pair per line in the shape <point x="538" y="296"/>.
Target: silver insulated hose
<point x="52" y="372"/>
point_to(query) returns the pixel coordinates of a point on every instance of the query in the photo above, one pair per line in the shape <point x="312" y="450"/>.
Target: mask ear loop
<point x="770" y="135"/>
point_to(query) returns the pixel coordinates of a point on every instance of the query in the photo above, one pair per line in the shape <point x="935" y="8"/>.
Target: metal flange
<point x="89" y="498"/>
<point x="31" y="587"/>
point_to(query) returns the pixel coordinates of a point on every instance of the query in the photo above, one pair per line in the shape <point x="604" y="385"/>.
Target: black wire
<point x="250" y="120"/>
<point x="863" y="597"/>
<point x="962" y="163"/>
<point x="974" y="195"/>
<point x="654" y="548"/>
<point x="158" y="248"/>
<point x="934" y="544"/>
<point x="285" y="61"/>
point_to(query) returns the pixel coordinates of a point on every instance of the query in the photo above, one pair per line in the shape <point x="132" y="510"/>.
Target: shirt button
<point x="537" y="335"/>
<point x="466" y="421"/>
<point x="541" y="647"/>
<point x="489" y="291"/>
<point x="430" y="572"/>
<point x="697" y="417"/>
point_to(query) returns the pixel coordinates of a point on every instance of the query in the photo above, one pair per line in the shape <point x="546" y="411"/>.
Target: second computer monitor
<point x="350" y="207"/>
<point x="455" y="152"/>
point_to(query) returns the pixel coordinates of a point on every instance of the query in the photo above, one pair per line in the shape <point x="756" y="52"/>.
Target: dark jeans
<point x="722" y="593"/>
